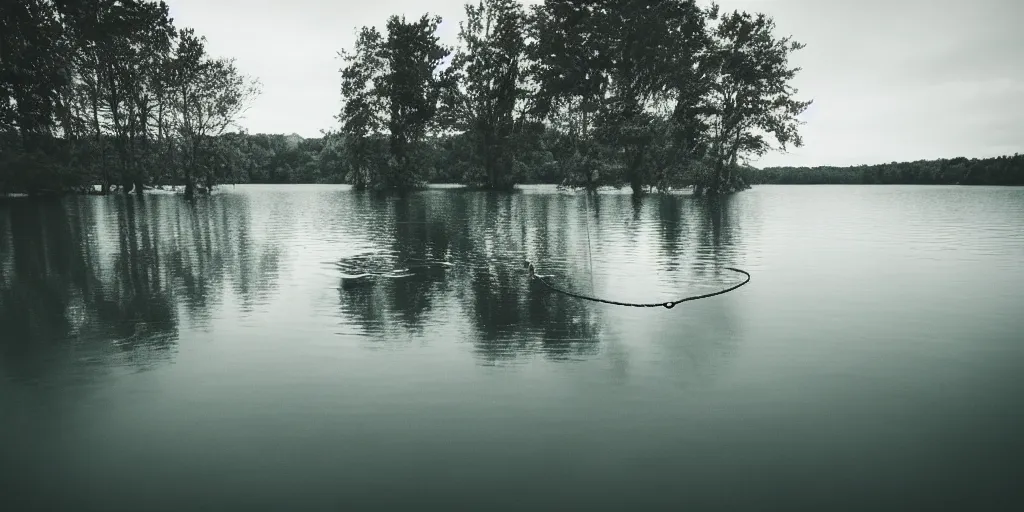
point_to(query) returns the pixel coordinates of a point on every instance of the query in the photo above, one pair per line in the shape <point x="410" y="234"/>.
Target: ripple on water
<point x="187" y="334"/>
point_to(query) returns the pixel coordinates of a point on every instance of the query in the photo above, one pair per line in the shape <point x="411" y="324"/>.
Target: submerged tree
<point x="392" y="84"/>
<point x="412" y="85"/>
<point x="210" y="96"/>
<point x="649" y="50"/>
<point x="33" y="74"/>
<point x="644" y="93"/>
<point x="749" y="97"/>
<point x="362" y="116"/>
<point x="101" y="91"/>
<point x="486" y="86"/>
<point x="135" y="39"/>
<point x="656" y="89"/>
<point x="685" y="126"/>
<point x="607" y="71"/>
<point x="570" y="71"/>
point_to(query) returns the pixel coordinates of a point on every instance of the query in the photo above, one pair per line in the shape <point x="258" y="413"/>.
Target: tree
<point x="85" y="32"/>
<point x="33" y="77"/>
<point x="391" y="85"/>
<point x="84" y="80"/>
<point x="570" y="72"/>
<point x="135" y="39"/>
<point x="210" y="96"/>
<point x="685" y="126"/>
<point x="31" y="68"/>
<point x="486" y="85"/>
<point x="362" y="114"/>
<point x="650" y="46"/>
<point x="606" y="69"/>
<point x="612" y="72"/>
<point x="331" y="159"/>
<point x="412" y="86"/>
<point x="748" y="96"/>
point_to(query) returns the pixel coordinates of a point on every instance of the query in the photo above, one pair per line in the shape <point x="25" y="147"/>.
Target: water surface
<point x="162" y="356"/>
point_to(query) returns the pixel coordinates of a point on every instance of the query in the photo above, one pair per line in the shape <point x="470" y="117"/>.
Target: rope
<point x="666" y="305"/>
<point x="590" y="251"/>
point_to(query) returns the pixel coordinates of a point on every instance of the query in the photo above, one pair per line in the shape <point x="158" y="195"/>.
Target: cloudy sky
<point x="891" y="80"/>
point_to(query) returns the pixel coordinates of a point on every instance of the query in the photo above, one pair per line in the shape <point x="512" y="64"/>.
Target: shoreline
<point x="605" y="190"/>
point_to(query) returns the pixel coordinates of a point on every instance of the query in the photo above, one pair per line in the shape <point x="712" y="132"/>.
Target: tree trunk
<point x="636" y="184"/>
<point x="104" y="172"/>
<point x="485" y="147"/>
<point x="189" y="168"/>
<point x="715" y="186"/>
<point x="162" y="170"/>
<point x="636" y="181"/>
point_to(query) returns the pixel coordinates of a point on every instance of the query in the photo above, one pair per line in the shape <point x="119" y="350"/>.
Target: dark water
<point x="157" y="356"/>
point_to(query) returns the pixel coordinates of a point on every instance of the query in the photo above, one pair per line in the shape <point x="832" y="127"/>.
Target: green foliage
<point x="33" y="58"/>
<point x="748" y="95"/>
<point x="363" y="111"/>
<point x="1003" y="170"/>
<point x="111" y="93"/>
<point x="391" y="83"/>
<point x="483" y="87"/>
<point x="210" y="95"/>
<point x="656" y="95"/>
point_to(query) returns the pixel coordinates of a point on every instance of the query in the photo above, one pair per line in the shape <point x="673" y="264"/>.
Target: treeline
<point x="276" y="158"/>
<point x="612" y="92"/>
<point x="110" y="92"/>
<point x="282" y="159"/>
<point x="1003" y="170"/>
<point x="291" y="159"/>
<point x="649" y="94"/>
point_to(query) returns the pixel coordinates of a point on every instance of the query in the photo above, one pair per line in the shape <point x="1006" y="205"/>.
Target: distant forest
<point x="1003" y="170"/>
<point x="281" y="159"/>
<point x="109" y="95"/>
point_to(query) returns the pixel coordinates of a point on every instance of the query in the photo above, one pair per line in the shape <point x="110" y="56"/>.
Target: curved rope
<point x="666" y="305"/>
<point x="590" y="251"/>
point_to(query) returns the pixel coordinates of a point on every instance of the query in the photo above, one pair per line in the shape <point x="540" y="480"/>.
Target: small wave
<point x="371" y="266"/>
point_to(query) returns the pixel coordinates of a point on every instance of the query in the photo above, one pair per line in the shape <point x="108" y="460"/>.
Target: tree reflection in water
<point x="116" y="279"/>
<point x="487" y="237"/>
<point x="101" y="281"/>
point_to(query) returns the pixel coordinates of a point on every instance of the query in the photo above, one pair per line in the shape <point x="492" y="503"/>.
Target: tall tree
<point x="363" y="111"/>
<point x="648" y="44"/>
<point x="135" y="37"/>
<point x="606" y="65"/>
<point x="81" y="80"/>
<point x="412" y="86"/>
<point x="571" y="73"/>
<point x="486" y="79"/>
<point x="32" y="70"/>
<point x="749" y="96"/>
<point x="86" y="31"/>
<point x="210" y="96"/>
<point x="392" y="85"/>
<point x="33" y="78"/>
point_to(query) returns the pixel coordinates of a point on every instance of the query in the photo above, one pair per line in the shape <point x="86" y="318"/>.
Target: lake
<point x="157" y="355"/>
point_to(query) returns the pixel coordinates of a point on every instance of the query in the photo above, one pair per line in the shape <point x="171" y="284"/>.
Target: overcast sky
<point x="891" y="80"/>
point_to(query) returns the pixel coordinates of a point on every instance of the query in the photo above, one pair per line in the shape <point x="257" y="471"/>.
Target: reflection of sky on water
<point x="272" y="258"/>
<point x="207" y="354"/>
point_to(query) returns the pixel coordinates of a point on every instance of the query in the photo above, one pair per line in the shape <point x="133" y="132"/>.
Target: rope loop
<point x="666" y="305"/>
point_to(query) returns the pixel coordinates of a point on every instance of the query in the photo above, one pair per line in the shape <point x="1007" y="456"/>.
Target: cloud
<point x="903" y="80"/>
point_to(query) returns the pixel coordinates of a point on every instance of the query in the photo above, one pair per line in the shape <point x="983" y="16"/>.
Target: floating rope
<point x="666" y="305"/>
<point x="590" y="250"/>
